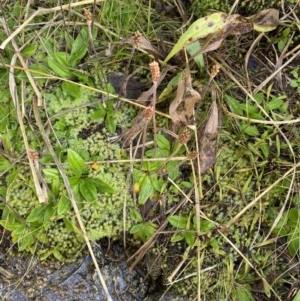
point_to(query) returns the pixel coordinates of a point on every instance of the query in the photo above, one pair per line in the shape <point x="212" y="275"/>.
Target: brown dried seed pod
<point x="215" y="70"/>
<point x="184" y="136"/>
<point x="192" y="155"/>
<point x="88" y="15"/>
<point x="33" y="155"/>
<point x="137" y="38"/>
<point x="149" y="112"/>
<point x="155" y="72"/>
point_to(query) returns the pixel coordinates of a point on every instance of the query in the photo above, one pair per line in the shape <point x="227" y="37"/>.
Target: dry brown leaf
<point x="182" y="108"/>
<point x="265" y="20"/>
<point x="140" y="123"/>
<point x="139" y="41"/>
<point x="207" y="139"/>
<point x="126" y="86"/>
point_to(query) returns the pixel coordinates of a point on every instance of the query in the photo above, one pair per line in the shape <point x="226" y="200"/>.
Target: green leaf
<point x="149" y="230"/>
<point x="45" y="254"/>
<point x="163" y="142"/>
<point x="76" y="57"/>
<point x="19" y="230"/>
<point x="50" y="173"/>
<point x="76" y="163"/>
<point x="234" y="105"/>
<point x="83" y="77"/>
<point x="259" y="97"/>
<point x="49" y="212"/>
<point x="199" y="29"/>
<point x="26" y="241"/>
<point x="281" y="44"/>
<point x="88" y="189"/>
<point x="265" y="148"/>
<point x="29" y="50"/>
<point x="157" y="183"/>
<point x="102" y="186"/>
<point x="248" y="108"/>
<point x="297" y="296"/>
<point x="146" y="191"/>
<point x="243" y="294"/>
<point x="71" y="226"/>
<point x="177" y="237"/>
<point x="137" y="228"/>
<point x="135" y="215"/>
<point x="294" y="242"/>
<point x="5" y="120"/>
<point x="8" y="225"/>
<point x="47" y="44"/>
<point x="173" y="169"/>
<point x="172" y="85"/>
<point x="64" y="205"/>
<point x="36" y="214"/>
<point x="58" y="63"/>
<point x="75" y="182"/>
<point x="55" y="186"/>
<point x="205" y="225"/>
<point x="57" y="255"/>
<point x="274" y="104"/>
<point x="4" y="164"/>
<point x="250" y="130"/>
<point x="294" y="83"/>
<point x="69" y="40"/>
<point x="98" y="114"/>
<point x="81" y="39"/>
<point x="256" y="116"/>
<point x="189" y="237"/>
<point x="144" y="230"/>
<point x="111" y="122"/>
<point x="192" y="49"/>
<point x="71" y="89"/>
<point x="246" y="185"/>
<point x="214" y="243"/>
<point x="284" y="106"/>
<point x="293" y="215"/>
<point x="178" y="221"/>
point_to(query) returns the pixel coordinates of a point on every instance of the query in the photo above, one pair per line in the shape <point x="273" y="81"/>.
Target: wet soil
<point x="23" y="278"/>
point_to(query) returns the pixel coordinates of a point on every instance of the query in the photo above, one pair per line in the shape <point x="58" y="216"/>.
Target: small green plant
<point x="106" y="111"/>
<point x="187" y="227"/>
<point x="148" y="180"/>
<point x="142" y="230"/>
<point x="295" y="83"/>
<point x="283" y="39"/>
<point x="289" y="226"/>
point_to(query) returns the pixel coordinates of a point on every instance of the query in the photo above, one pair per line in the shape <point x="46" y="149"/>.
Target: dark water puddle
<point x="74" y="281"/>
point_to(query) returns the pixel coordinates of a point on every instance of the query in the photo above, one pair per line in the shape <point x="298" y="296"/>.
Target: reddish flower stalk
<point x="155" y="73"/>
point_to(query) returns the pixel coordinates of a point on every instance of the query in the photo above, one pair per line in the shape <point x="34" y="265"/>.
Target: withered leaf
<point x="139" y="41"/>
<point x="140" y="123"/>
<point x="125" y="85"/>
<point x="207" y="139"/>
<point x="182" y="108"/>
<point x="213" y="29"/>
<point x="266" y="20"/>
